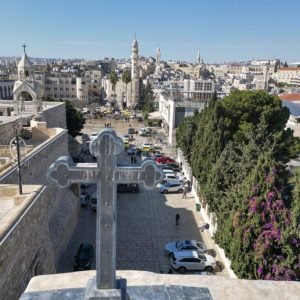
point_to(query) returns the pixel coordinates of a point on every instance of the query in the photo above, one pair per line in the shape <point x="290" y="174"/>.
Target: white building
<point x="175" y="104"/>
<point x="198" y="90"/>
<point x="6" y="89"/>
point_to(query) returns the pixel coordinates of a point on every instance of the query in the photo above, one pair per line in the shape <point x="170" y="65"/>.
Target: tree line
<point x="238" y="148"/>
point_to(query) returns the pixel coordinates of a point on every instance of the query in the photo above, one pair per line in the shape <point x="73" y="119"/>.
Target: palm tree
<point x="113" y="78"/>
<point x="126" y="78"/>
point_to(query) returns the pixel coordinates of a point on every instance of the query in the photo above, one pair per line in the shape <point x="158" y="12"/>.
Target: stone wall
<point x="26" y="250"/>
<point x="207" y="215"/>
<point x="55" y="114"/>
<point x="62" y="205"/>
<point x="7" y="133"/>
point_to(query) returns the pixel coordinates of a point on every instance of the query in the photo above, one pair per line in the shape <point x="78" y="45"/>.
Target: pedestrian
<point x="136" y="132"/>
<point x="177" y="217"/>
<point x="203" y="227"/>
<point x="185" y="190"/>
<point x="129" y="124"/>
<point x="134" y="159"/>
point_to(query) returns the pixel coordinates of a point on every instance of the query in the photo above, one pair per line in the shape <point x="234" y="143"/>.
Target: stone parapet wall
<point x="149" y="286"/>
<point x="207" y="215"/>
<point x="62" y="205"/>
<point x="55" y="114"/>
<point x="38" y="161"/>
<point x="26" y="250"/>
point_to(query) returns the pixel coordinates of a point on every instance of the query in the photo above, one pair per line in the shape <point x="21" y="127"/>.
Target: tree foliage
<point x="75" y="119"/>
<point x="147" y="99"/>
<point x="113" y="78"/>
<point x="238" y="147"/>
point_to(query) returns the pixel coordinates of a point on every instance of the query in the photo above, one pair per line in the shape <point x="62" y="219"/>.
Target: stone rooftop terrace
<point x="146" y="285"/>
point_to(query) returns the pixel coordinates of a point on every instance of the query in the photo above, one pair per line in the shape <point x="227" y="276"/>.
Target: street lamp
<point x="16" y="127"/>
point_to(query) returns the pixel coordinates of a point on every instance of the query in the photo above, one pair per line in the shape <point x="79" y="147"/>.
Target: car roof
<point x="186" y="253"/>
<point x="190" y="242"/>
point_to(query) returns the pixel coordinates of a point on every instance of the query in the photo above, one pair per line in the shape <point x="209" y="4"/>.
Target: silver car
<point x="185" y="245"/>
<point x="170" y="186"/>
<point x="183" y="261"/>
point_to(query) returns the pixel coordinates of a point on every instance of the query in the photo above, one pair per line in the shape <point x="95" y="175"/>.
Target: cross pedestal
<point x="106" y="174"/>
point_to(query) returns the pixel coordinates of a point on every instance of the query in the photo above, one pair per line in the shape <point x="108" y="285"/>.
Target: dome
<point x="24" y="62"/>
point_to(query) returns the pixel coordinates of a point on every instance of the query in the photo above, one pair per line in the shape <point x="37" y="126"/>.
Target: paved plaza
<point x="145" y="223"/>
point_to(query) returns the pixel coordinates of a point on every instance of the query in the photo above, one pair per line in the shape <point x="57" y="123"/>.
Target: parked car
<point x="93" y="135"/>
<point x="84" y="257"/>
<point x="128" y="188"/>
<point x="164" y="160"/>
<point x="140" y="119"/>
<point x="131" y="151"/>
<point x="85" y="137"/>
<point x="185" y="245"/>
<point x="131" y="130"/>
<point x="173" y="166"/>
<point x="170" y="186"/>
<point x="183" y="261"/>
<point x="177" y="175"/>
<point x="94" y="202"/>
<point x="84" y="200"/>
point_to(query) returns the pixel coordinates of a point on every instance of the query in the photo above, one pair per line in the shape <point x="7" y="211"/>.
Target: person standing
<point x="185" y="190"/>
<point x="177" y="217"/>
<point x="134" y="159"/>
<point x="131" y="159"/>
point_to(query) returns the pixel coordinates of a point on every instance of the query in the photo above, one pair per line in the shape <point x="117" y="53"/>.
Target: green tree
<point x="113" y="78"/>
<point x="236" y="144"/>
<point x="148" y="106"/>
<point x="75" y="119"/>
<point x="126" y="78"/>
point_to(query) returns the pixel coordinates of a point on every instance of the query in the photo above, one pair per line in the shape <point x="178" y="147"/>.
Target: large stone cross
<point x="106" y="147"/>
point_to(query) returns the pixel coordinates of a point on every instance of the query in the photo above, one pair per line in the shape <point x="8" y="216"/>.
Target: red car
<point x="164" y="160"/>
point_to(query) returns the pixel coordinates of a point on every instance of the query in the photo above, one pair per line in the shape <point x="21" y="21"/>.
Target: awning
<point x="156" y="115"/>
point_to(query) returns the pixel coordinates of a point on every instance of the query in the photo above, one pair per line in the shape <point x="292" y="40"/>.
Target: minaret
<point x="198" y="60"/>
<point x="134" y="59"/>
<point x="266" y="77"/>
<point x="157" y="67"/>
<point x="134" y="99"/>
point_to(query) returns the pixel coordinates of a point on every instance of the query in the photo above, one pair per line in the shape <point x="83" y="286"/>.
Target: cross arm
<point x="64" y="171"/>
<point x="148" y="174"/>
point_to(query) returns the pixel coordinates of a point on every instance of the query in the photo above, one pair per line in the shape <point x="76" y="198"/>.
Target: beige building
<point x="289" y="75"/>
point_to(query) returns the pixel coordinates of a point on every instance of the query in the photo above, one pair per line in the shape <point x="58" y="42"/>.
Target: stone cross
<point x="106" y="147"/>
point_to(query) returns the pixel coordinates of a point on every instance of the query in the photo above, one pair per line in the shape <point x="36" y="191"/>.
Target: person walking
<point x="131" y="159"/>
<point x="185" y="190"/>
<point x="203" y="227"/>
<point x="177" y="217"/>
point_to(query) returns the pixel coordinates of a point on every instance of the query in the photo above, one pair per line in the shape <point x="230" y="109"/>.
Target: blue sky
<point x="224" y="30"/>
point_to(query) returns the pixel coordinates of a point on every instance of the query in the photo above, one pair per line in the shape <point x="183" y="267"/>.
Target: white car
<point x="185" y="245"/>
<point x="183" y="261"/>
<point x="170" y="186"/>
<point x="93" y="135"/>
<point x="173" y="175"/>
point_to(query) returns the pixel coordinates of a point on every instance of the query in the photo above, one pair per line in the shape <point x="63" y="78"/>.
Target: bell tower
<point x="25" y="71"/>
